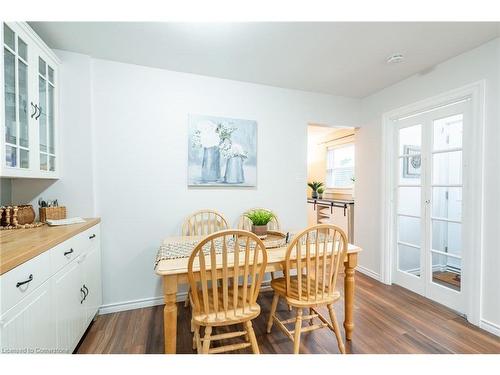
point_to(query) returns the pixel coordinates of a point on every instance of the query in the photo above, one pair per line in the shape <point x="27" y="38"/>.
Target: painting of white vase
<point x="222" y="151"/>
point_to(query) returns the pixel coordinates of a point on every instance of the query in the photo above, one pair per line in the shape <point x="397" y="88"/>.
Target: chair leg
<point x="272" y="276"/>
<point x="196" y="338"/>
<point x="186" y="301"/>
<point x="274" y="304"/>
<point x="335" y="324"/>
<point x="298" y="327"/>
<point x="251" y="336"/>
<point x="206" y="341"/>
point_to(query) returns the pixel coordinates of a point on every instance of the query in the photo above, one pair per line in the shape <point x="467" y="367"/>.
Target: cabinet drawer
<point x="22" y="280"/>
<point x="65" y="253"/>
<point x="91" y="237"/>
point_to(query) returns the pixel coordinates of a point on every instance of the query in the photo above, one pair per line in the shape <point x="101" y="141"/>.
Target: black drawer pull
<point x="84" y="295"/>
<point x="68" y="252"/>
<point x="93" y="236"/>
<point x="87" y="292"/>
<point x="30" y="278"/>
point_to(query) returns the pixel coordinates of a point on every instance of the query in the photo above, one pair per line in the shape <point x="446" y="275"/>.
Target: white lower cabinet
<point x="29" y="326"/>
<point x="53" y="317"/>
<point x="92" y="284"/>
<point x="68" y="299"/>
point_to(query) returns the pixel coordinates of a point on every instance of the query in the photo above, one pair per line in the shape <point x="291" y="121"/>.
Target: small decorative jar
<point x="260" y="231"/>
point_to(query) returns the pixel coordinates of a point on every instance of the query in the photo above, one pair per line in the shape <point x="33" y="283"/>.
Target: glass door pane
<point x="23" y="104"/>
<point x="447" y="271"/>
<point x="447" y="168"/>
<point x="446" y="207"/>
<point x="42" y="121"/>
<point x="409" y="205"/>
<point x="447" y="202"/>
<point x="52" y="147"/>
<point x="10" y="97"/>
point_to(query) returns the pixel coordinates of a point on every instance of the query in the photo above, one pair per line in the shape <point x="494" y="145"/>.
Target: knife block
<point x="52" y="213"/>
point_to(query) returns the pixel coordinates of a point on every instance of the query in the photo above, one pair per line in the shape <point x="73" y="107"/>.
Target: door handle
<point x="30" y="278"/>
<point x="34" y="112"/>
<point x="84" y="294"/>
<point x="39" y="111"/>
<point x="91" y="237"/>
<point x="68" y="252"/>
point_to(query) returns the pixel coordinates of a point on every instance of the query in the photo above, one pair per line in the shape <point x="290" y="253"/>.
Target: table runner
<point x="183" y="249"/>
<point x="176" y="250"/>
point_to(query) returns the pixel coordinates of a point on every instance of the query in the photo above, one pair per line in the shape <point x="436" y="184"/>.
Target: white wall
<point x="140" y="118"/>
<point x="482" y="63"/>
<point x="5" y="191"/>
<point x="75" y="188"/>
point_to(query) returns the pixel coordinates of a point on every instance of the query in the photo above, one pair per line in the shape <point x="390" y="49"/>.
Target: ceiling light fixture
<point x="395" y="58"/>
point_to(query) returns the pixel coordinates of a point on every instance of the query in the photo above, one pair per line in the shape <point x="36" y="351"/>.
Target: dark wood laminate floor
<point x="388" y="319"/>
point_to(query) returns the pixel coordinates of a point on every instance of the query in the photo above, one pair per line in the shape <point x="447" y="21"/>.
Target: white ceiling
<point x="337" y="58"/>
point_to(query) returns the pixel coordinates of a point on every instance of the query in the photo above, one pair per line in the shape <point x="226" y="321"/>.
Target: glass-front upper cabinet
<point x="46" y="118"/>
<point x="17" y="142"/>
<point x="29" y="107"/>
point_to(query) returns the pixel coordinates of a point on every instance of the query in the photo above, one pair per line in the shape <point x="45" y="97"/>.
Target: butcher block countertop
<point x="20" y="245"/>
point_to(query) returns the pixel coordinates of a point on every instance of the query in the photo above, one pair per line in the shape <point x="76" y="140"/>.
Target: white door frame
<point x="475" y="92"/>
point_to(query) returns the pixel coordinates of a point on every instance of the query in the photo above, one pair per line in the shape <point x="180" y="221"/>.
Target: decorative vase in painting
<point x="234" y="170"/>
<point x="210" y="165"/>
<point x="260" y="231"/>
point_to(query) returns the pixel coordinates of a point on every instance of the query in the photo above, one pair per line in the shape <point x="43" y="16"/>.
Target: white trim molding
<point x="137" y="304"/>
<point x="368" y="272"/>
<point x="153" y="301"/>
<point x="490" y="327"/>
<point x="475" y="92"/>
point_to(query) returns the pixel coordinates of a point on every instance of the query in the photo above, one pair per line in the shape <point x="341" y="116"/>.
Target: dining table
<point x="174" y="273"/>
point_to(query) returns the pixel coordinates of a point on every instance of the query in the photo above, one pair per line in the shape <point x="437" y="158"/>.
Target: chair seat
<point x="292" y="297"/>
<point x="222" y="318"/>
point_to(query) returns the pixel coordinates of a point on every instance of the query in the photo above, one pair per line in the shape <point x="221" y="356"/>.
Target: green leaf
<point x="259" y="217"/>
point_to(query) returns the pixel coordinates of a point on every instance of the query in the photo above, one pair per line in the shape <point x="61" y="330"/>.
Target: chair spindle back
<point x="316" y="254"/>
<point x="226" y="255"/>
<point x="203" y="223"/>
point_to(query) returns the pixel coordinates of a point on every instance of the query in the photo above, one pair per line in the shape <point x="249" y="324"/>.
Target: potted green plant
<point x="315" y="185"/>
<point x="320" y="192"/>
<point x="260" y="219"/>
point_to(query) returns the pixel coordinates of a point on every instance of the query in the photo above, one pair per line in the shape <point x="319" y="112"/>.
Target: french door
<point x="431" y="235"/>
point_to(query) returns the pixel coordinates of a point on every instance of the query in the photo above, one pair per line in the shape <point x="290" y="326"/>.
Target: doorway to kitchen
<point x="330" y="176"/>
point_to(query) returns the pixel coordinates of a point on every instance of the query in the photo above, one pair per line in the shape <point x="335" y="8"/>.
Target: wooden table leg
<point x="170" y="313"/>
<point x="349" y="265"/>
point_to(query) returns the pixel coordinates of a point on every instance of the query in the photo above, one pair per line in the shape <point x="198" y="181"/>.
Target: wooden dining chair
<point x="225" y="271"/>
<point x="313" y="257"/>
<point x="245" y="223"/>
<point x="203" y="223"/>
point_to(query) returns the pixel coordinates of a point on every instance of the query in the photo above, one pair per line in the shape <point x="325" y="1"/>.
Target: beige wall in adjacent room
<point x="319" y="138"/>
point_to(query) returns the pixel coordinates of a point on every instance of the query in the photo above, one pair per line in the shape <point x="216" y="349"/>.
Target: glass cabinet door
<point x="46" y="116"/>
<point x="16" y="103"/>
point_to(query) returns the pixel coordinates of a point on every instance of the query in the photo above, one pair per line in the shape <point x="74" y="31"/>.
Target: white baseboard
<point x="136" y="304"/>
<point x="490" y="327"/>
<point x="152" y="301"/>
<point x="368" y="272"/>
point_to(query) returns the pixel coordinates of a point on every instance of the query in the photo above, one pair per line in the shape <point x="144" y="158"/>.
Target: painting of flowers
<point x="222" y="151"/>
